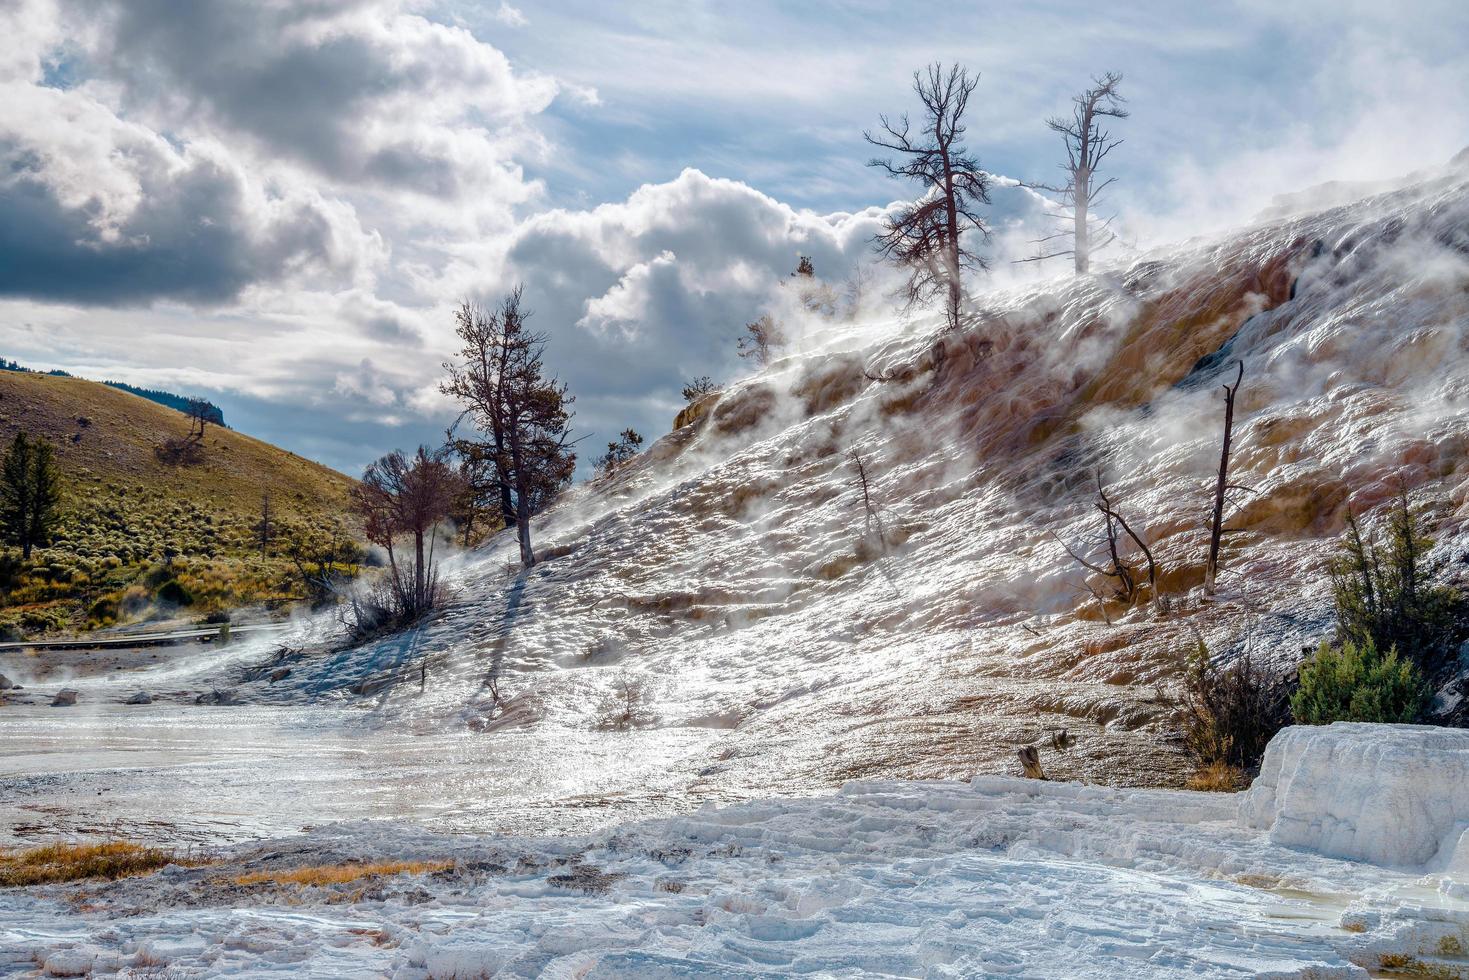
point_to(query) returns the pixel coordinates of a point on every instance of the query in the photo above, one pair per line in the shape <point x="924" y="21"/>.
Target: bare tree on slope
<point x="929" y="236"/>
<point x="1087" y="143"/>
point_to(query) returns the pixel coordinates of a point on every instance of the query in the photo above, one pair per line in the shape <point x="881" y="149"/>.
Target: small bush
<point x="1218" y="777"/>
<point x="1232" y="713"/>
<point x="1385" y="593"/>
<point x="1357" y="683"/>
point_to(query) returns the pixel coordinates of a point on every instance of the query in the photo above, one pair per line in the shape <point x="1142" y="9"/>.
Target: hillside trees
<point x="1385" y="591"/>
<point x="400" y="497"/>
<point x="619" y="452"/>
<point x="200" y="413"/>
<point x="699" y="388"/>
<point x="761" y="339"/>
<point x="522" y="416"/>
<point x="1087" y="143"/>
<point x="30" y="492"/>
<point x="930" y="236"/>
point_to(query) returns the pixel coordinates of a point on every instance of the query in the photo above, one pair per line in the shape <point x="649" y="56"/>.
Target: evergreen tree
<point x="625" y="448"/>
<point x="524" y="415"/>
<point x="30" y="492"/>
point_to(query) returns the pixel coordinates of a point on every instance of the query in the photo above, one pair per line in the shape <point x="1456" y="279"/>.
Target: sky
<point x="278" y="204"/>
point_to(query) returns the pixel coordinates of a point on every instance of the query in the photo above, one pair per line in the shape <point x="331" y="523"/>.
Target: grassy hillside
<point x="141" y="536"/>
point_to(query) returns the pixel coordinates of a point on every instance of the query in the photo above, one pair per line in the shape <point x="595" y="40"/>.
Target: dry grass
<point x="1219" y="777"/>
<point x="54" y="863"/>
<point x="339" y="874"/>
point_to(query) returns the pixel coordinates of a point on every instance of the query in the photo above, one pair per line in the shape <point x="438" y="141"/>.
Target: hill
<point x="729" y="587"/>
<point x="136" y="527"/>
<point x="213" y="413"/>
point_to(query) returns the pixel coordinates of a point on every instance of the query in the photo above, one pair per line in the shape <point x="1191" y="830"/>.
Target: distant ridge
<point x="167" y="398"/>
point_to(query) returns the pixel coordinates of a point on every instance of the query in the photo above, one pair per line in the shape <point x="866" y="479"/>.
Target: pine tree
<point x="524" y="415"/>
<point x="30" y="492"/>
<point x="628" y="445"/>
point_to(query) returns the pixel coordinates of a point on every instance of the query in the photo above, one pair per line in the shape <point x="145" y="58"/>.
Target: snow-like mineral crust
<point x="1395" y="795"/>
<point x="995" y="877"/>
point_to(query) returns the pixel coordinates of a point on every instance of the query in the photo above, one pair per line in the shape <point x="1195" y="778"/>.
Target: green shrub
<point x="1357" y="683"/>
<point x="1231" y="713"/>
<point x="1385" y="593"/>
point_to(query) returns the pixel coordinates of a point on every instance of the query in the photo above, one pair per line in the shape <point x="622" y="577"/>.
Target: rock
<point x="142" y="697"/>
<point x="216" y="696"/>
<point x="696" y="411"/>
<point x="6" y="683"/>
<point x="280" y="674"/>
<point x="69" y="963"/>
<point x="65" y="698"/>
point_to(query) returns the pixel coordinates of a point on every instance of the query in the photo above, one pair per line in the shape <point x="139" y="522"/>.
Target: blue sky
<point x="287" y="229"/>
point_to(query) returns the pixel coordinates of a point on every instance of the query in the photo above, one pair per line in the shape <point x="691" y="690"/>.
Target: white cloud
<point x="510" y="16"/>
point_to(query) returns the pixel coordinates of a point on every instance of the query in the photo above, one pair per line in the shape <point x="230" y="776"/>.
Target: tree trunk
<point x="1081" y="196"/>
<point x="1216" y="525"/>
<point x="419" y="586"/>
<point x="507" y="505"/>
<point x="951" y="254"/>
<point x="522" y="500"/>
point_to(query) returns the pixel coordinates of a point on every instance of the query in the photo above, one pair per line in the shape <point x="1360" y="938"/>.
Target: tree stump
<point x="1030" y="761"/>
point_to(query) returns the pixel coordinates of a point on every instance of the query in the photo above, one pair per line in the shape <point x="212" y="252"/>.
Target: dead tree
<point x="1030" y="761"/>
<point x="872" y="516"/>
<point x="1114" y="564"/>
<point x="929" y="236"/>
<point x="1222" y="486"/>
<point x="1087" y="144"/>
<point x="403" y="496"/>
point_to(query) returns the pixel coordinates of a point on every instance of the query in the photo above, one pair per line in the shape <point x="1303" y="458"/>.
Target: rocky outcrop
<point x="697" y="410"/>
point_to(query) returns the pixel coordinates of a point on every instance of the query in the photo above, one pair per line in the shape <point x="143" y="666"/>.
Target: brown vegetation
<point x="321" y="875"/>
<point x="53" y="863"/>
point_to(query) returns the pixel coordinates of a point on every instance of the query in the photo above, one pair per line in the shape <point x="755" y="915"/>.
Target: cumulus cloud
<point x="360" y="91"/>
<point x="96" y="208"/>
<point x="640" y="295"/>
